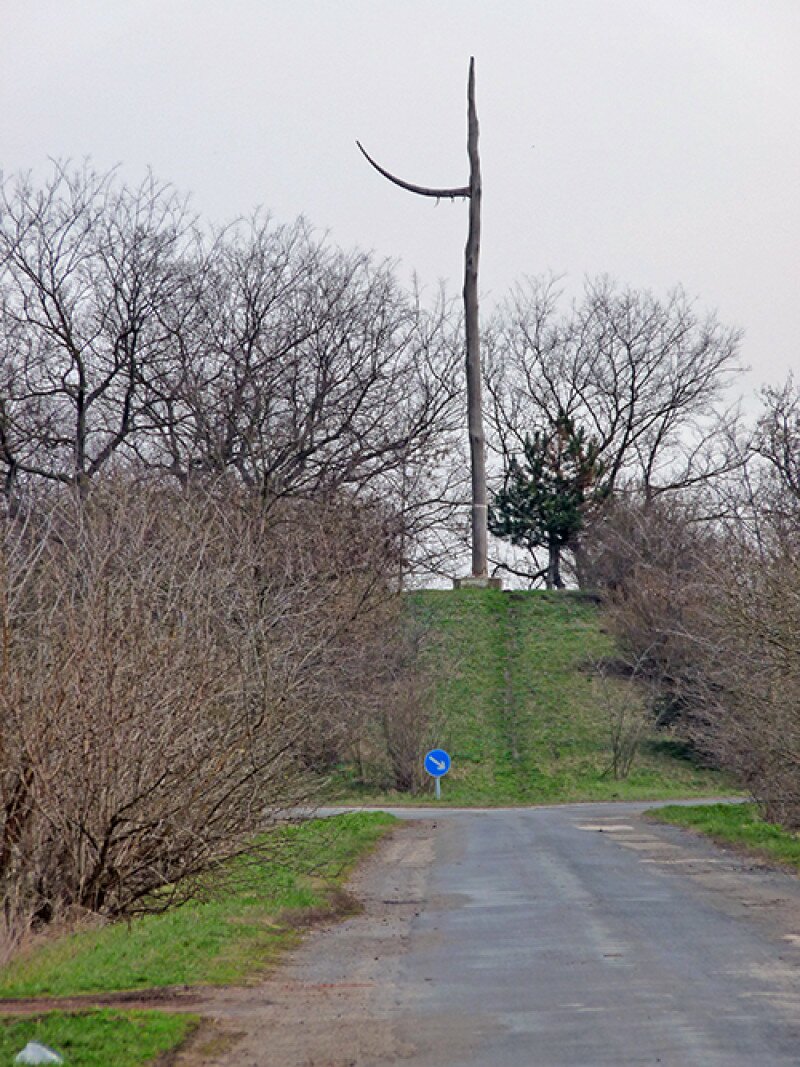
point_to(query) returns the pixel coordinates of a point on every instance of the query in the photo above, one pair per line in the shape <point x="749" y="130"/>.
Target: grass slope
<point x="739" y="825"/>
<point x="254" y="914"/>
<point x="517" y="707"/>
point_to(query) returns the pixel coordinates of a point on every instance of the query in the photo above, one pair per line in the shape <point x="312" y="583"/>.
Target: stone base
<point x="477" y="583"/>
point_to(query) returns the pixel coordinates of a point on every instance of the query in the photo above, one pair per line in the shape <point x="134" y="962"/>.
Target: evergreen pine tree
<point x="546" y="492"/>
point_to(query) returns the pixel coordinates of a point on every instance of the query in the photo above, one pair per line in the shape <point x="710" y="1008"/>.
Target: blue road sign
<point x="437" y="762"/>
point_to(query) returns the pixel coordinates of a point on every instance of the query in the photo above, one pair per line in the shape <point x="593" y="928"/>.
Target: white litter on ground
<point x="36" y="1053"/>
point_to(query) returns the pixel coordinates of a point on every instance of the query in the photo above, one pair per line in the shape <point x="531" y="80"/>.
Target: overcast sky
<point x="654" y="140"/>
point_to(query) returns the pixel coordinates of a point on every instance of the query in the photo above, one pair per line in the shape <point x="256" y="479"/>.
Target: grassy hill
<point x="519" y="709"/>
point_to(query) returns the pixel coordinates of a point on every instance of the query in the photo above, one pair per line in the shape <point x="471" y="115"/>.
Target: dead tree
<point x="477" y="443"/>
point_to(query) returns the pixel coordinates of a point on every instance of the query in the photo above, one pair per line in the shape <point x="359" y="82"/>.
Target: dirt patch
<point x="208" y="1041"/>
<point x="167" y="999"/>
<point x="339" y="904"/>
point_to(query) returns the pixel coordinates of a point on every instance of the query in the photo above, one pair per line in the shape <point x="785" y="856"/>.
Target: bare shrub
<point x="709" y="618"/>
<point x="172" y="665"/>
<point x="407" y="717"/>
<point x="396" y="711"/>
<point x="626" y="710"/>
<point x="649" y="562"/>
<point x="747" y="714"/>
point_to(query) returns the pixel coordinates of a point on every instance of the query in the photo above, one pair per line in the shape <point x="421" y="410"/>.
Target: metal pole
<point x="438" y="788"/>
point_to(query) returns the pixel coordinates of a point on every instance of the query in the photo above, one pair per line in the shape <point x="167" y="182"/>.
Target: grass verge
<point x="97" y="1038"/>
<point x="254" y="912"/>
<point x="739" y="825"/>
<point x="518" y="710"/>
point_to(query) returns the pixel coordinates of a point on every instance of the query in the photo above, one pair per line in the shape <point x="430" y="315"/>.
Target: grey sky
<point x="656" y="140"/>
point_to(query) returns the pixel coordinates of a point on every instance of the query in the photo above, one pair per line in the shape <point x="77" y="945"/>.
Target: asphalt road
<point x="565" y="937"/>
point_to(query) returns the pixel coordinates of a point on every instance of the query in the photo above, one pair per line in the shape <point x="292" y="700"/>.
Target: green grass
<point x="518" y="711"/>
<point x="737" y="824"/>
<point x="252" y="916"/>
<point x="98" y="1038"/>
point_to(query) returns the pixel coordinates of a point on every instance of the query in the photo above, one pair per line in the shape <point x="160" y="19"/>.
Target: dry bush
<point x="649" y="561"/>
<point x="408" y="719"/>
<point x="626" y="706"/>
<point x="15" y="934"/>
<point x="397" y="711"/>
<point x="173" y="663"/>
<point x="747" y="697"/>
<point x="711" y="620"/>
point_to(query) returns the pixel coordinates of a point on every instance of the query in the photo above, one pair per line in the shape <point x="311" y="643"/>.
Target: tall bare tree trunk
<point x="477" y="441"/>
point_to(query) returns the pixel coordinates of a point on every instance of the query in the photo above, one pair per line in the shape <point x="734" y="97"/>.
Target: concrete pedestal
<point x="477" y="583"/>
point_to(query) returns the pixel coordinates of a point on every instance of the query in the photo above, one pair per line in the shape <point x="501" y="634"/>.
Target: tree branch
<point x="423" y="190"/>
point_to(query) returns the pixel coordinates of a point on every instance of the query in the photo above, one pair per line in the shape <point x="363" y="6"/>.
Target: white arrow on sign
<point x="438" y="762"/>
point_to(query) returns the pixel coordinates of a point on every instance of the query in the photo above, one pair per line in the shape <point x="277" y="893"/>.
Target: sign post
<point x="437" y="764"/>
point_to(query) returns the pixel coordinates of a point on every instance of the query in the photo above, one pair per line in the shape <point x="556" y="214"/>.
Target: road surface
<point x="574" y="936"/>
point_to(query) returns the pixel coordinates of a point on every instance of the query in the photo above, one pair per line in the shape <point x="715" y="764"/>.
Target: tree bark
<point x="477" y="443"/>
<point x="553" y="579"/>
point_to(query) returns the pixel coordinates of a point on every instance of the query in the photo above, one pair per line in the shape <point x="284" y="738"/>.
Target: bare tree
<point x="133" y="337"/>
<point x="643" y="377"/>
<point x="86" y="265"/>
<point x="777" y="448"/>
<point x="299" y="367"/>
